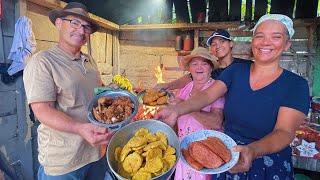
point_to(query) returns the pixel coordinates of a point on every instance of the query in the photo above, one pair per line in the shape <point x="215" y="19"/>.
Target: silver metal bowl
<point x="113" y="94"/>
<point x="121" y="137"/>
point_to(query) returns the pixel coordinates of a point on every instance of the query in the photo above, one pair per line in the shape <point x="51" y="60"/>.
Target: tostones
<point x="132" y="162"/>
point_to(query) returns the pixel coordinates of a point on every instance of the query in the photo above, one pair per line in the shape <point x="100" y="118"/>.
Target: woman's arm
<point x="170" y="114"/>
<point x="176" y="84"/>
<point x="211" y="120"/>
<point x="282" y="135"/>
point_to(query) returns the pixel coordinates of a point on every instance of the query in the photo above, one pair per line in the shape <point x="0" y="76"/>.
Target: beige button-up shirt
<point x="54" y="75"/>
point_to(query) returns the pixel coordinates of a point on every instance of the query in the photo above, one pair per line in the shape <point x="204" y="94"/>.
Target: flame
<point x="158" y="74"/>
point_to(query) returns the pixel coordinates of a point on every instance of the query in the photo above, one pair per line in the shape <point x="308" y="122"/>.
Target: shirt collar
<point x="83" y="57"/>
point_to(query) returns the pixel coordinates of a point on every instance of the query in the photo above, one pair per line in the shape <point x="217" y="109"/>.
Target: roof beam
<point x="209" y="26"/>
<point x="59" y="5"/>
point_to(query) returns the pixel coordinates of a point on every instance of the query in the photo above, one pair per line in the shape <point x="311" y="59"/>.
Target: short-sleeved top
<point x="216" y="73"/>
<point x="54" y="75"/>
<point x="252" y="114"/>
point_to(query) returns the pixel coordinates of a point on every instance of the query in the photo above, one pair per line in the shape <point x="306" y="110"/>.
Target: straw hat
<point x="74" y="9"/>
<point x="199" y="52"/>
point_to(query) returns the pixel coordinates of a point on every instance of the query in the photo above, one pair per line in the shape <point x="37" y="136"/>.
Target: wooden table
<point x="306" y="163"/>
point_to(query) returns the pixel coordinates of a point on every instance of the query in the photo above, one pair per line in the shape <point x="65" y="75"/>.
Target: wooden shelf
<point x="183" y="53"/>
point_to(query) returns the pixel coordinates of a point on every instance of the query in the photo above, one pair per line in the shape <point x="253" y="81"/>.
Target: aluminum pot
<point x="113" y="94"/>
<point x="121" y="137"/>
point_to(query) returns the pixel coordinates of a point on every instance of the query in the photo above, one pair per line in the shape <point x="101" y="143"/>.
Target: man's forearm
<point x="54" y="118"/>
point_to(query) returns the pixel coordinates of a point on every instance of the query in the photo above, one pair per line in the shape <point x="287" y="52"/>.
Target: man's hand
<point x="168" y="115"/>
<point x="94" y="135"/>
<point x="245" y="159"/>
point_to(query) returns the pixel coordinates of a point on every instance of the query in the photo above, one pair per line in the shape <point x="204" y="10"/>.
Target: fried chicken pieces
<point x="145" y="155"/>
<point x="153" y="97"/>
<point x="208" y="153"/>
<point x="111" y="110"/>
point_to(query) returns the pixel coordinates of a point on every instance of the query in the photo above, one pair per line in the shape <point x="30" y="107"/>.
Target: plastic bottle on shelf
<point x="178" y="43"/>
<point x="187" y="43"/>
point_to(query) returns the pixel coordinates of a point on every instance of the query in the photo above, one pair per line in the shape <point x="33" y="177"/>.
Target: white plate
<point x="203" y="134"/>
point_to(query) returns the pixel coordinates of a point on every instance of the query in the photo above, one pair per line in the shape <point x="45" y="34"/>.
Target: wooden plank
<point x="115" y="53"/>
<point x="98" y="43"/>
<point x="196" y="38"/>
<point x="8" y="127"/>
<point x="181" y="26"/>
<point x="59" y="5"/>
<point x="235" y="10"/>
<point x="282" y="7"/>
<point x="21" y="9"/>
<point x="260" y="9"/>
<point x="248" y="16"/>
<point x="109" y="47"/>
<point x="181" y="8"/>
<point x="42" y="27"/>
<point x="206" y="26"/>
<point x="7" y="43"/>
<point x="8" y="19"/>
<point x="218" y="10"/>
<point x="233" y="33"/>
<point x="306" y="9"/>
<point x="44" y="45"/>
<point x="8" y="99"/>
<point x="145" y="35"/>
<point x="2" y="57"/>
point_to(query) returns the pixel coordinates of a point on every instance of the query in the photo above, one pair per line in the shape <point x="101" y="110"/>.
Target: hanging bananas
<point x="122" y="82"/>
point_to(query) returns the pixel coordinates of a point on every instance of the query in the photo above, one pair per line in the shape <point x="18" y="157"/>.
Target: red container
<point x="187" y="43"/>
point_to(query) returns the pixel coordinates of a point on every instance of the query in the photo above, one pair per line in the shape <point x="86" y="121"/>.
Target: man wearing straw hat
<point x="59" y="84"/>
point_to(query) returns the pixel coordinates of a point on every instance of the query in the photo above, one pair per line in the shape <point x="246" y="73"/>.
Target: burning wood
<point x="146" y="112"/>
<point x="158" y="74"/>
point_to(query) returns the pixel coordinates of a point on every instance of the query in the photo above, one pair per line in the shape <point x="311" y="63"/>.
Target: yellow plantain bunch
<point x="122" y="82"/>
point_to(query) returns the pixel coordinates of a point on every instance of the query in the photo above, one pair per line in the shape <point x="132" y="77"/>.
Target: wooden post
<point x="196" y="38"/>
<point x="115" y="53"/>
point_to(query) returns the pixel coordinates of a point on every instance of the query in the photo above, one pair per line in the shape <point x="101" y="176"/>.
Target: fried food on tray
<point x="145" y="155"/>
<point x="153" y="97"/>
<point x="209" y="153"/>
<point x="109" y="110"/>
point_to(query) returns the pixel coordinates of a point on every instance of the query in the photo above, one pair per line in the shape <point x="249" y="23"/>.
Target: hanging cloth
<point x="23" y="45"/>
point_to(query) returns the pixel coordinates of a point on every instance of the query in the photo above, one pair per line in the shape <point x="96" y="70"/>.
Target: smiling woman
<point x="260" y="114"/>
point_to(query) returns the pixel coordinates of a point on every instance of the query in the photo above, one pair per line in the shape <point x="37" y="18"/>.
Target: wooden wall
<point x="142" y="50"/>
<point x="15" y="127"/>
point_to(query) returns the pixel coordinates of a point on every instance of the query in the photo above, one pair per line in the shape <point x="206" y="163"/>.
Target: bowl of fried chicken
<point x="113" y="109"/>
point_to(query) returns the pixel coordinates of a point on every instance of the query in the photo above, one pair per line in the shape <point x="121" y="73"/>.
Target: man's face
<point x="73" y="31"/>
<point x="220" y="47"/>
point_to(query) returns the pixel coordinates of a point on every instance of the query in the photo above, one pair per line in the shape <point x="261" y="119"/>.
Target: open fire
<point x="148" y="112"/>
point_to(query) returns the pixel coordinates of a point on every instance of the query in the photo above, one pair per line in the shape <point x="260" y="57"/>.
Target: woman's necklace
<point x="199" y="89"/>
